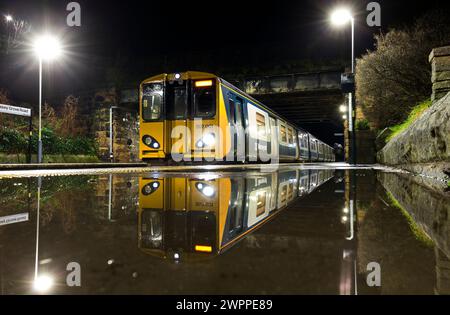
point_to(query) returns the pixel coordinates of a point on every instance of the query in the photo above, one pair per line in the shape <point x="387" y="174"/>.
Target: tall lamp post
<point x="341" y="17"/>
<point x="46" y="48"/>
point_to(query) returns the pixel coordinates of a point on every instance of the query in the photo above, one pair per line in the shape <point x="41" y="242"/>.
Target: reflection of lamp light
<point x="208" y="191"/>
<point x="43" y="283"/>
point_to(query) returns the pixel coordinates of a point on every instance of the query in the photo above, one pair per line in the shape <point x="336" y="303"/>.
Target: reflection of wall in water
<point x="431" y="211"/>
<point x="123" y="198"/>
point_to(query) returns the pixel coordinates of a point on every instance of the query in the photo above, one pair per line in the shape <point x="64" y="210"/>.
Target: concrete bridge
<point x="312" y="97"/>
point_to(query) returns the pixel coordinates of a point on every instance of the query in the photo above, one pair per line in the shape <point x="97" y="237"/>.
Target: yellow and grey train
<point x="189" y="218"/>
<point x="222" y="122"/>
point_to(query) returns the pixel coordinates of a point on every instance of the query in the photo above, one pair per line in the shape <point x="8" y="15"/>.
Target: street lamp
<point x="8" y="18"/>
<point x="340" y="17"/>
<point x="46" y="48"/>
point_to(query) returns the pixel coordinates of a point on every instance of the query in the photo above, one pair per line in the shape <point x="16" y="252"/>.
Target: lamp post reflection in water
<point x="110" y="198"/>
<point x="42" y="282"/>
<point x="349" y="263"/>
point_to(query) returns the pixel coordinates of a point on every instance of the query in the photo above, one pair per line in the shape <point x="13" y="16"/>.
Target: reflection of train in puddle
<point x="193" y="217"/>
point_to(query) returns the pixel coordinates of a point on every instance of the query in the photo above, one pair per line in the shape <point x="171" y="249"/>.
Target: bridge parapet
<point x="300" y="82"/>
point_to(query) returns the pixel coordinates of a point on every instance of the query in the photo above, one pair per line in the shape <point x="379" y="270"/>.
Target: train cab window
<point x="260" y="204"/>
<point x="203" y="99"/>
<point x="261" y="125"/>
<point x="283" y="133"/>
<point x="152" y="101"/>
<point x="290" y="136"/>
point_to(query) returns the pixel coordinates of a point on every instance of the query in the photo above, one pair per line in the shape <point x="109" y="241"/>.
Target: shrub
<point x="394" y="77"/>
<point x="362" y="124"/>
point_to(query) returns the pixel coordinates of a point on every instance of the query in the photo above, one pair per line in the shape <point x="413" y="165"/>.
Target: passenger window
<point x="283" y="194"/>
<point x="283" y="133"/>
<point x="290" y="190"/>
<point x="290" y="136"/>
<point x="261" y="125"/>
<point x="261" y="204"/>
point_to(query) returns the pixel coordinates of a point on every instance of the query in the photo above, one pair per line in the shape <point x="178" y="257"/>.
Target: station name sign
<point x="15" y="218"/>
<point x="14" y="110"/>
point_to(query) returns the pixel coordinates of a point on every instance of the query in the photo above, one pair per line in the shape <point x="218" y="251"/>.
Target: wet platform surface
<point x="293" y="230"/>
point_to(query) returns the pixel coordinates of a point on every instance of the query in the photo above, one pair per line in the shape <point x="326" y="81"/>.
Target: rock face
<point x="426" y="140"/>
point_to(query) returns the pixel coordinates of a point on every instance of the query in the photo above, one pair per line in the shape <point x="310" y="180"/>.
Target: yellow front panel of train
<point x="156" y="130"/>
<point x="178" y="193"/>
<point x="151" y="193"/>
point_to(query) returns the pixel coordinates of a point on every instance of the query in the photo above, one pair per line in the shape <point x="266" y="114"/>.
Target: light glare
<point x="43" y="283"/>
<point x="341" y="16"/>
<point x="208" y="191"/>
<point x="47" y="47"/>
<point x="8" y="18"/>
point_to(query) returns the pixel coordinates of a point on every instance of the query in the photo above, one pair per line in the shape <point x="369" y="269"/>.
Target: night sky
<point x="147" y="37"/>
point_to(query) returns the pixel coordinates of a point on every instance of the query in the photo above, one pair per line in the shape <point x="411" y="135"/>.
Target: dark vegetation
<point x="394" y="78"/>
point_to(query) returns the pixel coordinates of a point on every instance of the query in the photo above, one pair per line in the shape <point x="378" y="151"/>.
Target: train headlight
<point x="150" y="142"/>
<point x="207" y="140"/>
<point x="205" y="189"/>
<point x="150" y="188"/>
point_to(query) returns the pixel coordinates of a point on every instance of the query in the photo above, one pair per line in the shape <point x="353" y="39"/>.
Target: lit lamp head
<point x="47" y="47"/>
<point x="8" y="18"/>
<point x="341" y="16"/>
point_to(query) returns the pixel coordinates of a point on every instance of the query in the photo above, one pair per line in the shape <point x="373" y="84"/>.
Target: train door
<point x="258" y="140"/>
<point x="237" y="127"/>
<point x="177" y="111"/>
<point x="274" y="139"/>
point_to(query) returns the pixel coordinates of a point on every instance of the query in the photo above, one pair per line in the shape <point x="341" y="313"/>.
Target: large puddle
<point x="292" y="231"/>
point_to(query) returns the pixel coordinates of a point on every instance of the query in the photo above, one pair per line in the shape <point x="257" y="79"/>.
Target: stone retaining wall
<point x="440" y="68"/>
<point x="424" y="147"/>
<point x="425" y="140"/>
